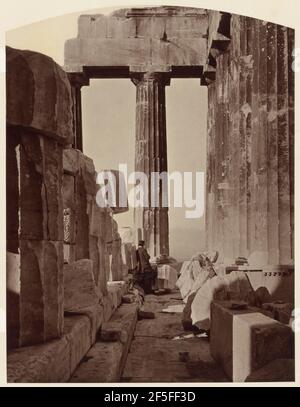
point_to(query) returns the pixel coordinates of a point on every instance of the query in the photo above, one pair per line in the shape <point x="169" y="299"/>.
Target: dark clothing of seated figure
<point x="145" y="275"/>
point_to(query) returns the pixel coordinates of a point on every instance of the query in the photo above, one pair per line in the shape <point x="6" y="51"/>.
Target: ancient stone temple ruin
<point x="67" y="266"/>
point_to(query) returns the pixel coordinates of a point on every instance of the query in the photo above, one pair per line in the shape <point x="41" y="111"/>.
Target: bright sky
<point x="109" y="122"/>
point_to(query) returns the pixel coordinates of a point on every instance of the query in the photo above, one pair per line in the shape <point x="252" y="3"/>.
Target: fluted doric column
<point x="151" y="221"/>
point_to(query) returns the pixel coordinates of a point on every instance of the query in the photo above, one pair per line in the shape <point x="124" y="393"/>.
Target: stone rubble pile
<point x="248" y="330"/>
<point x="201" y="282"/>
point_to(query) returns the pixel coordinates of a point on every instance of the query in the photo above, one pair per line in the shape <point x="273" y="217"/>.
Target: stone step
<point x="105" y="361"/>
<point x="55" y="361"/>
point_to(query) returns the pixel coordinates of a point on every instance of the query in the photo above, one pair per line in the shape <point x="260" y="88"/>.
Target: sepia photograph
<point x="150" y="174"/>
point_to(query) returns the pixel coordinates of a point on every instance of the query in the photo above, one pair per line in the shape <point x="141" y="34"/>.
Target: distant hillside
<point x="184" y="243"/>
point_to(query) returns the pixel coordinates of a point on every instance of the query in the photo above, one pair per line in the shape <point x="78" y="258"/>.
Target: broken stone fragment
<point x="40" y="188"/>
<point x="108" y="227"/>
<point x="111" y="332"/>
<point x="116" y="179"/>
<point x="116" y="264"/>
<point x="126" y="235"/>
<point x="142" y="314"/>
<point x="68" y="191"/>
<point x="88" y="173"/>
<point x="280" y="311"/>
<point x="41" y="296"/>
<point x="71" y="161"/>
<point x="126" y="254"/>
<point x="251" y="300"/>
<point x="184" y="356"/>
<point x="238" y="305"/>
<point x="38" y="95"/>
<point x="96" y="219"/>
<point x="102" y="278"/>
<point x="128" y="298"/>
<point x="249" y="340"/>
<point x="262" y="296"/>
<point x="80" y="290"/>
<point x="241" y="261"/>
<point x="115" y="232"/>
<point x="124" y="272"/>
<point x="279" y="370"/>
<point x="94" y="256"/>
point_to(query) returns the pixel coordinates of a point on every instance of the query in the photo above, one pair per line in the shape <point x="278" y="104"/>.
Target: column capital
<point x="78" y="79"/>
<point x="139" y="78"/>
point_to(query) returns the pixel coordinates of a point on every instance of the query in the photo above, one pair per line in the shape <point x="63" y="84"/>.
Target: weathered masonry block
<point x="246" y="340"/>
<point x="160" y="36"/>
<point x="90" y="232"/>
<point x="54" y="361"/>
<point x="39" y="125"/>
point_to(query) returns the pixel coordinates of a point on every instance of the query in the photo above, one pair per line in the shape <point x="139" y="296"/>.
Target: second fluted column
<point x="151" y="220"/>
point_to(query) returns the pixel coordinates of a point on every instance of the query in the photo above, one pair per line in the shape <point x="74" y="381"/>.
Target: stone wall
<point x="250" y="158"/>
<point x="39" y="124"/>
<point x="90" y="231"/>
<point x="52" y="215"/>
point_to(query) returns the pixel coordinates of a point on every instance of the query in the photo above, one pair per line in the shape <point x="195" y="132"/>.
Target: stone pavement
<point x="154" y="355"/>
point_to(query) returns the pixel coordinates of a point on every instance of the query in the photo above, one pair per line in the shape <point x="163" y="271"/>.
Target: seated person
<point x="146" y="275"/>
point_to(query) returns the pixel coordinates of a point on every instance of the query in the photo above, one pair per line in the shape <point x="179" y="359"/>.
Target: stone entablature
<point x="140" y="38"/>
